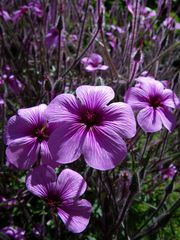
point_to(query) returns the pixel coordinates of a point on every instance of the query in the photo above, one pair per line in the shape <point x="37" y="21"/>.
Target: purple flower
<point x="63" y="194"/>
<point x="170" y="24"/>
<point x="52" y="38"/>
<point x="36" y="7"/>
<point x="15" y="233"/>
<point x="153" y="100"/>
<point x="169" y="172"/>
<point x="93" y="63"/>
<point x="26" y="135"/>
<point x="88" y="126"/>
<point x="111" y="39"/>
<point x="5" y="15"/>
<point x="18" y="14"/>
<point x="14" y="84"/>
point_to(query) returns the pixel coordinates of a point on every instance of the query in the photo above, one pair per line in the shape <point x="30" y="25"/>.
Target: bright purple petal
<point x="33" y="116"/>
<point x="91" y="68"/>
<point x="167" y="118"/>
<point x="103" y="149"/>
<point x="103" y="67"/>
<point x="95" y="96"/>
<point x="95" y="59"/>
<point x="169" y="99"/>
<point x="16" y="128"/>
<point x="84" y="60"/>
<point x="46" y="155"/>
<point x="23" y="152"/>
<point x="137" y="98"/>
<point x="70" y="184"/>
<point x="39" y="179"/>
<point x="120" y="118"/>
<point x="64" y="107"/>
<point x="149" y="120"/>
<point x="75" y="215"/>
<point x="65" y="142"/>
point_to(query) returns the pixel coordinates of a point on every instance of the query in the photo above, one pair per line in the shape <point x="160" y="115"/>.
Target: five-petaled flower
<point x="153" y="100"/>
<point x="62" y="194"/>
<point x="93" y="63"/>
<point x="26" y="135"/>
<point x="168" y="173"/>
<point x="88" y="126"/>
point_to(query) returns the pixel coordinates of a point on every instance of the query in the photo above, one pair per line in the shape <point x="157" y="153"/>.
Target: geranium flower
<point x="5" y="15"/>
<point x="88" y="126"/>
<point x="169" y="172"/>
<point x="62" y="194"/>
<point x="15" y="233"/>
<point x="18" y="14"/>
<point x="36" y="7"/>
<point x="93" y="63"/>
<point x="153" y="100"/>
<point x="26" y="135"/>
<point x="52" y="38"/>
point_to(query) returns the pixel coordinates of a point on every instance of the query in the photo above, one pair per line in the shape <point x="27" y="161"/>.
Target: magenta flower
<point x="36" y="7"/>
<point x="15" y="85"/>
<point x="153" y="100"/>
<point x="26" y="135"/>
<point x="88" y="126"/>
<point x="171" y="24"/>
<point x="18" y="14"/>
<point x="169" y="172"/>
<point x="5" y="15"/>
<point x="93" y="63"/>
<point x="15" y="233"/>
<point x="62" y="194"/>
<point x="52" y="38"/>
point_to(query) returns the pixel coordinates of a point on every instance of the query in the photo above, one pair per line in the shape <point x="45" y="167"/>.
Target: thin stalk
<point x="82" y="29"/>
<point x="81" y="55"/>
<point x="173" y="46"/>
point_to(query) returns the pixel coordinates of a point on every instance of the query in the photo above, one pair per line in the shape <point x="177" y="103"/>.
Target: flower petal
<point x="170" y="99"/>
<point x="64" y="107"/>
<point x="65" y="142"/>
<point x="75" y="215"/>
<point x="70" y="184"/>
<point x="120" y="118"/>
<point x="46" y="155"/>
<point x="16" y="127"/>
<point x="103" y="149"/>
<point x="90" y="68"/>
<point x="95" y="59"/>
<point x="149" y="120"/>
<point x="23" y="152"/>
<point x="38" y="180"/>
<point x="34" y="116"/>
<point x="137" y="98"/>
<point x="167" y="118"/>
<point x="103" y="67"/>
<point x="95" y="96"/>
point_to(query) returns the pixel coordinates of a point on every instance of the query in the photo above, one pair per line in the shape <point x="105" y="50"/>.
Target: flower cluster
<point x="43" y="137"/>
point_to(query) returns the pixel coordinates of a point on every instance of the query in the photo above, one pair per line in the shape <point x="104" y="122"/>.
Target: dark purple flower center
<point x="94" y="64"/>
<point x="53" y="200"/>
<point x="155" y="101"/>
<point x="41" y="133"/>
<point x="91" y="118"/>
